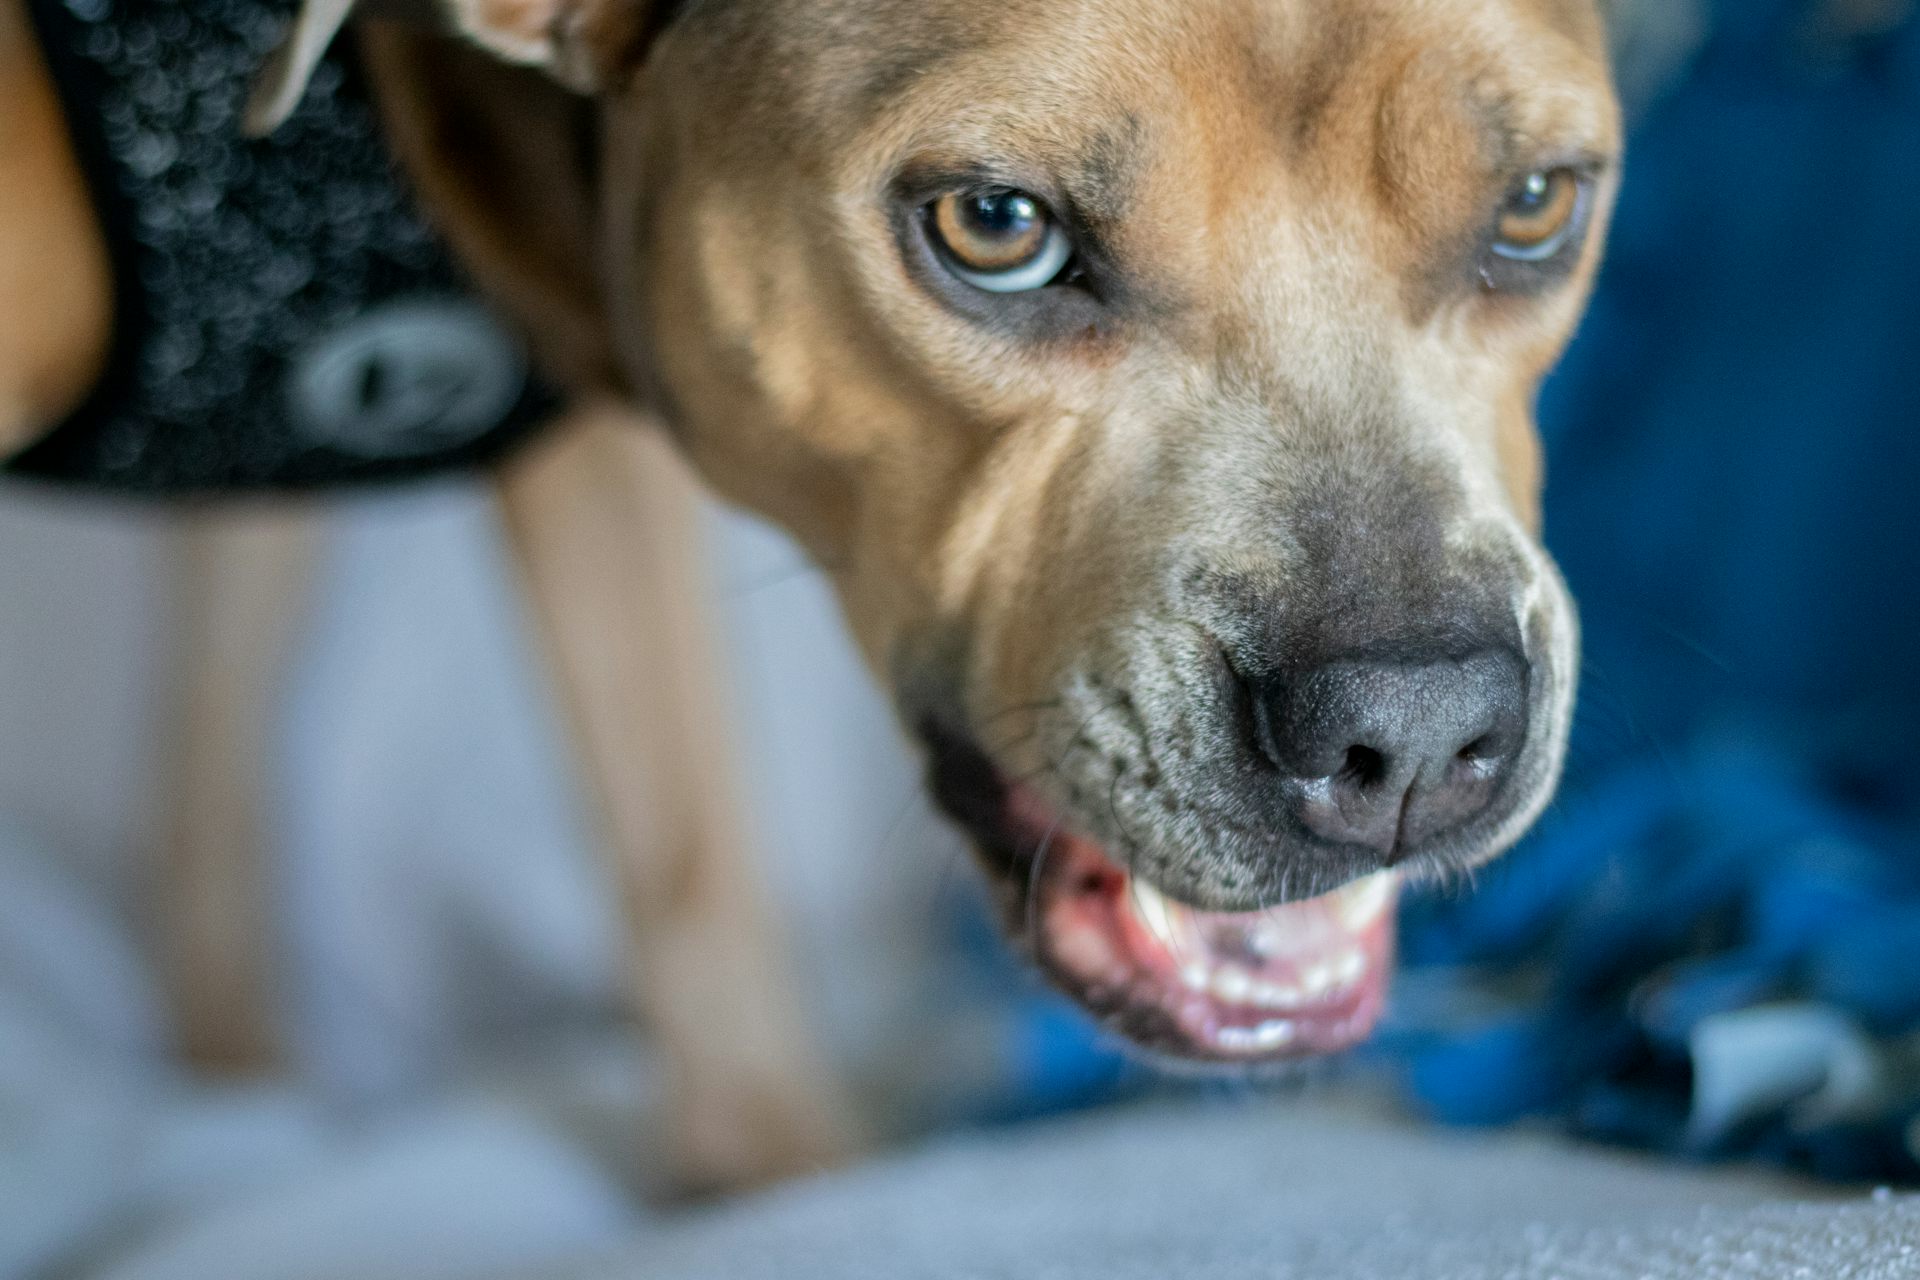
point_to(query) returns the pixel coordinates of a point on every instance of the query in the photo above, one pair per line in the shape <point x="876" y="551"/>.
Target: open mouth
<point x="1304" y="978"/>
<point x="1243" y="987"/>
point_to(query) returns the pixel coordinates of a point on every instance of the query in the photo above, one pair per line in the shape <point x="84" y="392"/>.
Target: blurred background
<point x="1710" y="948"/>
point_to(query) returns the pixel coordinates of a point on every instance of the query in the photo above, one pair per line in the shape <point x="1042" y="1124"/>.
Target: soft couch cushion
<point x="1284" y="1191"/>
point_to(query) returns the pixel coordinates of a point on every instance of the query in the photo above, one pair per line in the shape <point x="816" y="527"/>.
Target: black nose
<point x="1388" y="756"/>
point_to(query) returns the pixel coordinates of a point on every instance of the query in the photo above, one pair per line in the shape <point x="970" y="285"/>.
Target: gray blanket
<point x="1285" y="1192"/>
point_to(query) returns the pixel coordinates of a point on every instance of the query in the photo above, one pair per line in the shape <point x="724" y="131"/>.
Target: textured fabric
<point x="284" y="318"/>
<point x="1283" y="1192"/>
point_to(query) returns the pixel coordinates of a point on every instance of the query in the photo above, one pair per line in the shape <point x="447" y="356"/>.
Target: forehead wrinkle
<point x="1435" y="147"/>
<point x="885" y="47"/>
<point x="1497" y="122"/>
<point x="1104" y="181"/>
<point x="1320" y="61"/>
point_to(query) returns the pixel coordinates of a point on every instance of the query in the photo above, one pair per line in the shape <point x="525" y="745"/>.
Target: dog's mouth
<point x="1305" y="978"/>
<point x="1240" y="987"/>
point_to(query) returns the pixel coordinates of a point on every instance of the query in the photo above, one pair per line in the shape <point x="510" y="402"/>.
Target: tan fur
<point x="1339" y="151"/>
<point x="1009" y="517"/>
<point x="604" y="524"/>
<point x="1049" y="541"/>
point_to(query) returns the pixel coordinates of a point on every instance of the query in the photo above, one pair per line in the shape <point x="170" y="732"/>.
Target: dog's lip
<point x="1240" y="988"/>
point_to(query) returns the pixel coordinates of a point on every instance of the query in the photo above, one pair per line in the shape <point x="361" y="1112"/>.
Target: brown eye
<point x="1539" y="216"/>
<point x="999" y="239"/>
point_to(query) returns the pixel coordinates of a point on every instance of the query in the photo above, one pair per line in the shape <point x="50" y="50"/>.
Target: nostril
<point x="1364" y="767"/>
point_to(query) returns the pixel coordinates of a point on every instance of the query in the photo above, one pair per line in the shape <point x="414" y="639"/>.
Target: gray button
<point x="407" y="378"/>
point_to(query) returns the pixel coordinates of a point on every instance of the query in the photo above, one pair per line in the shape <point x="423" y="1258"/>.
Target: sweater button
<point x="406" y="379"/>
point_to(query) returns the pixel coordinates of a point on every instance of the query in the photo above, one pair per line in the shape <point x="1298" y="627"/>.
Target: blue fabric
<point x="1732" y="439"/>
<point x="1737" y="882"/>
<point x="1734" y="443"/>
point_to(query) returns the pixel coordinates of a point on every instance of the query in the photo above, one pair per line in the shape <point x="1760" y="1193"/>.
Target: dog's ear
<point x="506" y="161"/>
<point x="485" y="105"/>
<point x="584" y="44"/>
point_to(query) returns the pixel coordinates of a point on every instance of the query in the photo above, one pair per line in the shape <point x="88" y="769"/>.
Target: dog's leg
<point x="604" y="521"/>
<point x="234" y="576"/>
<point x="54" y="295"/>
<point x="239" y="588"/>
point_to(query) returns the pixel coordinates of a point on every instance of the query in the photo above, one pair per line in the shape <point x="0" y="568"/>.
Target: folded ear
<point x="584" y="44"/>
<point x="505" y="159"/>
<point x="484" y="105"/>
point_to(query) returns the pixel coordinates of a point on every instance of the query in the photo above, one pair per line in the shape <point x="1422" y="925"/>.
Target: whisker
<point x="1030" y="927"/>
<point x="995" y="750"/>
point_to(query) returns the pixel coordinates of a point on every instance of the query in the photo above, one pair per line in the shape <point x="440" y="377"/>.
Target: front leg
<point x="239" y="585"/>
<point x="605" y="524"/>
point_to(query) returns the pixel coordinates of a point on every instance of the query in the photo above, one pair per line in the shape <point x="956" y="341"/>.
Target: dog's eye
<point x="1539" y="216"/>
<point x="999" y="239"/>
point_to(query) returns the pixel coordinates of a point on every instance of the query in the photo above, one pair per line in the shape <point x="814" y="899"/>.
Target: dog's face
<point x="1155" y="378"/>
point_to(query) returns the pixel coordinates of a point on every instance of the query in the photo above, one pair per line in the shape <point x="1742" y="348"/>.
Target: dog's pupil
<point x="1534" y="192"/>
<point x="1004" y="215"/>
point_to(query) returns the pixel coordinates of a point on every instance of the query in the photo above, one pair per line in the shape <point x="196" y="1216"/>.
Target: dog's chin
<point x="1190" y="987"/>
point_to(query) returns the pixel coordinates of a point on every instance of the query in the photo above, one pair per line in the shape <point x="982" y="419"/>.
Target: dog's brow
<point x="1498" y="124"/>
<point x="1103" y="186"/>
<point x="897" y="54"/>
<point x="892" y="70"/>
<point x="1512" y="147"/>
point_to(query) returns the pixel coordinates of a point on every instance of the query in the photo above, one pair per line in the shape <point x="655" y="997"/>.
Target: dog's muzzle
<point x="1227" y="895"/>
<point x="1189" y="986"/>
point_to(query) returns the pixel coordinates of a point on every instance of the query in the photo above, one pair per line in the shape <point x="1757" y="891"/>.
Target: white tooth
<point x="1271" y="1035"/>
<point x="1232" y="984"/>
<point x="1265" y="1037"/>
<point x="1361" y="902"/>
<point x="1150" y="906"/>
<point x="1236" y="1039"/>
<point x="1274" y="995"/>
<point x="1166" y="919"/>
<point x="1267" y="937"/>
<point x="1315" y="981"/>
<point x="1196" y="975"/>
<point x="1348" y="968"/>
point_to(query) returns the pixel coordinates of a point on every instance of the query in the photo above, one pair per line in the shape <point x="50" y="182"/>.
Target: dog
<point x="1154" y="379"/>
